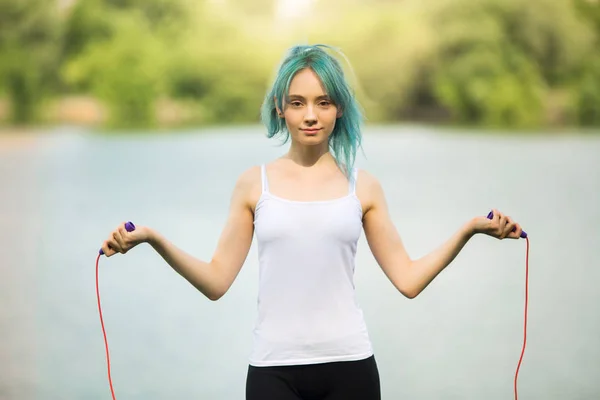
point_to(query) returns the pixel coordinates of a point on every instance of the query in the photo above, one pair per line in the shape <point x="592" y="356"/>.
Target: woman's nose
<point x="310" y="114"/>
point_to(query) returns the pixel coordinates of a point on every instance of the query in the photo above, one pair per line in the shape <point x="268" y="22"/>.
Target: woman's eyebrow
<point x="299" y="97"/>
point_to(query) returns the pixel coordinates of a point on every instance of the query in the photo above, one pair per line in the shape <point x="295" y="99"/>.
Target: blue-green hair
<point x="346" y="137"/>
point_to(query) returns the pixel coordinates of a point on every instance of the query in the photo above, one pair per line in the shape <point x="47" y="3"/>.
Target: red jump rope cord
<point x="103" y="331"/>
<point x="525" y="322"/>
<point x="518" y="366"/>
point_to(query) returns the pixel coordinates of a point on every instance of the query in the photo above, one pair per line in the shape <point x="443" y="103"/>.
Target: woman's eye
<point x="324" y="103"/>
<point x="296" y="103"/>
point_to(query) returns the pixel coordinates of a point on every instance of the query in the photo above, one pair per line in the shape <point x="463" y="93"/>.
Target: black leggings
<point x="342" y="380"/>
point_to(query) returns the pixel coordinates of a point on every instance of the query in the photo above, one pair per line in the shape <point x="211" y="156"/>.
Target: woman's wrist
<point x="151" y="236"/>
<point x="470" y="228"/>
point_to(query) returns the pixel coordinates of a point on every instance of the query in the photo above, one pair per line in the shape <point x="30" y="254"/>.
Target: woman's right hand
<point x="121" y="241"/>
<point x="500" y="226"/>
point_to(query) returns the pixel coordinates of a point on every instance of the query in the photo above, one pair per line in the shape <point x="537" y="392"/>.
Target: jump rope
<point x="129" y="226"/>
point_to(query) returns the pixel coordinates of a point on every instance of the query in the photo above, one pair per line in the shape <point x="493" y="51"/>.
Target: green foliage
<point x="502" y="75"/>
<point x="86" y="24"/>
<point x="125" y="70"/>
<point x="554" y="40"/>
<point x="486" y="78"/>
<point x="227" y="80"/>
<point x="502" y="63"/>
<point x="488" y="87"/>
<point x="588" y="94"/>
<point x="587" y="87"/>
<point x="29" y="33"/>
<point x="119" y="50"/>
<point x="589" y="11"/>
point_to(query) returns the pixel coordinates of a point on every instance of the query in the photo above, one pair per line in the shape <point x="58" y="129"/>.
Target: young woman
<point x="307" y="210"/>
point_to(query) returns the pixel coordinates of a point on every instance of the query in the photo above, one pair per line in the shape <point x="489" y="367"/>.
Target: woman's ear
<point x="339" y="113"/>
<point x="279" y="112"/>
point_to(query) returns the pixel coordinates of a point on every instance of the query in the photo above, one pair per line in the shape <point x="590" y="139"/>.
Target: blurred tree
<point x="87" y="22"/>
<point x="119" y="51"/>
<point x="590" y="11"/>
<point x="158" y="13"/>
<point x="587" y="89"/>
<point x="488" y="87"/>
<point x="206" y="61"/>
<point x="29" y="47"/>
<point x="527" y="53"/>
<point x="227" y="80"/>
<point x="125" y="71"/>
<point x="555" y="40"/>
<point x="588" y="93"/>
<point x="250" y="8"/>
<point x="92" y="21"/>
<point x="498" y="62"/>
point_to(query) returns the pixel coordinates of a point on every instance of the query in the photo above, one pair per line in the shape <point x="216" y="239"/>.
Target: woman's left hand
<point x="500" y="226"/>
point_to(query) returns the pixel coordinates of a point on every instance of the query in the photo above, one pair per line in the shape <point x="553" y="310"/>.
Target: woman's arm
<point x="212" y="278"/>
<point x="409" y="276"/>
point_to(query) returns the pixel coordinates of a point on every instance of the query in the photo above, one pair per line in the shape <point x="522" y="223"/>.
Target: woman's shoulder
<point x="366" y="179"/>
<point x="368" y="189"/>
<point x="250" y="177"/>
<point x="249" y="186"/>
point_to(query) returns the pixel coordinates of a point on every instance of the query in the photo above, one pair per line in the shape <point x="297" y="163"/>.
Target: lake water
<point x="62" y="192"/>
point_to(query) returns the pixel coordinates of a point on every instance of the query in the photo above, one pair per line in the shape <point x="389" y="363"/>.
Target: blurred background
<point x="175" y="63"/>
<point x="148" y="110"/>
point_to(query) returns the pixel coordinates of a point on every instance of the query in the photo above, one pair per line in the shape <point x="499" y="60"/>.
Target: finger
<point x="112" y="242"/>
<point x="107" y="250"/>
<point x="121" y="229"/>
<point x="118" y="237"/>
<point x="500" y="218"/>
<point x="495" y="222"/>
<point x="496" y="216"/>
<point x="517" y="233"/>
<point x="499" y="221"/>
<point x="503" y="220"/>
<point x="508" y="228"/>
<point x="125" y="237"/>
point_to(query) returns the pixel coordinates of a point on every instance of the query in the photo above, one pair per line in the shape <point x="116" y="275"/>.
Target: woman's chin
<point x="311" y="140"/>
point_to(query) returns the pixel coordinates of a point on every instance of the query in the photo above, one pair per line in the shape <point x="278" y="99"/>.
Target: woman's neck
<point x="308" y="156"/>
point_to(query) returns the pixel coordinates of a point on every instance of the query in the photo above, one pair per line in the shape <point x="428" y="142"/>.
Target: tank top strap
<point x="265" y="182"/>
<point x="352" y="183"/>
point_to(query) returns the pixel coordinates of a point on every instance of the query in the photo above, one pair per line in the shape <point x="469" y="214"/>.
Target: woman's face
<point x="309" y="114"/>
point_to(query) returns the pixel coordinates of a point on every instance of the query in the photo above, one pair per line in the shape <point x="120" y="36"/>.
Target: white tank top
<point x="307" y="308"/>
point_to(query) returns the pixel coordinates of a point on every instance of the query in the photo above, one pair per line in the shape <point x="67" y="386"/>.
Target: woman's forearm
<point x="202" y="275"/>
<point x="422" y="271"/>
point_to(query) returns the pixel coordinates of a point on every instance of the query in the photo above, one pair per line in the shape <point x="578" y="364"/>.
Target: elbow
<point x="407" y="285"/>
<point x="215" y="289"/>
<point x="214" y="295"/>
<point x="410" y="294"/>
<point x="211" y="293"/>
